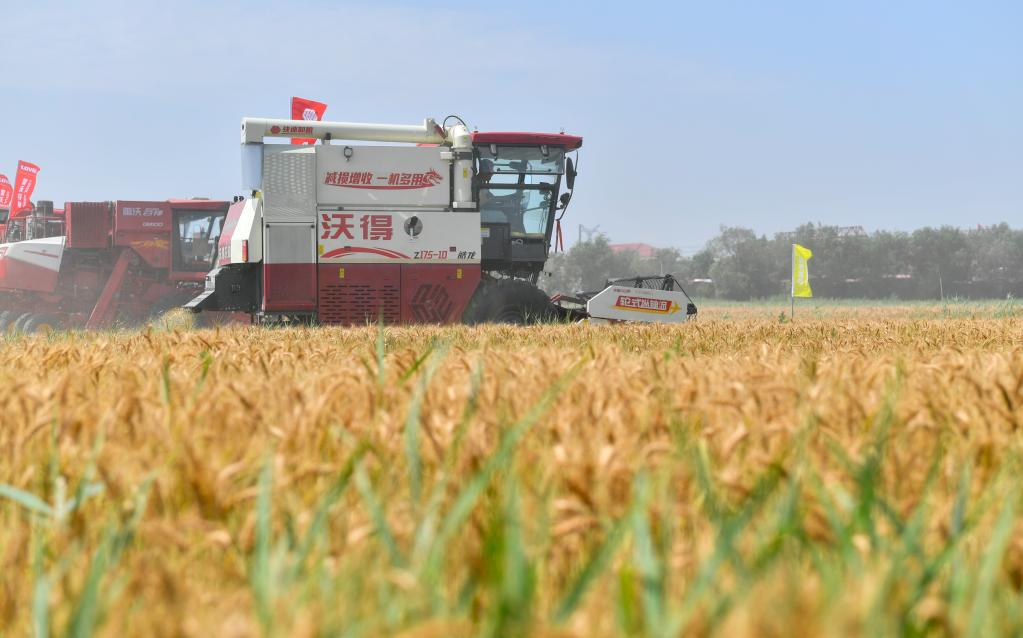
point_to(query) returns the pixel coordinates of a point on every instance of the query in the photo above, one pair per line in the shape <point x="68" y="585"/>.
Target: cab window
<point x="537" y="160"/>
<point x="525" y="211"/>
<point x="196" y="238"/>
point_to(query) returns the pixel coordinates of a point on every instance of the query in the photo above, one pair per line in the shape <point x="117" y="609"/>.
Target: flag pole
<point x="792" y="290"/>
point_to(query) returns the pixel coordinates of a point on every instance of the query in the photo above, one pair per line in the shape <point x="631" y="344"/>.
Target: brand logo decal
<point x="646" y="304"/>
<point x="431" y="304"/>
<point x="338" y="253"/>
<point x="138" y="211"/>
<point x="289" y="130"/>
<point x="151" y="243"/>
<point x="392" y="181"/>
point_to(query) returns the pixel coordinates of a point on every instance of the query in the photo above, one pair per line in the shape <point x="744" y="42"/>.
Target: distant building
<point x="644" y="250"/>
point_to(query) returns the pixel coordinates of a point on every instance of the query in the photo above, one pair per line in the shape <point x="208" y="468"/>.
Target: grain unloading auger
<point x="451" y="226"/>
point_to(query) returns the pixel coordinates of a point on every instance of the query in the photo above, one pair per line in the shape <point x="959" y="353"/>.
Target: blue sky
<point x="695" y="114"/>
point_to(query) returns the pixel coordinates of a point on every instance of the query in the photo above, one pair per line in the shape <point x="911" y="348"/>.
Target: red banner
<point x="6" y="192"/>
<point x="24" y="184"/>
<point x="303" y="109"/>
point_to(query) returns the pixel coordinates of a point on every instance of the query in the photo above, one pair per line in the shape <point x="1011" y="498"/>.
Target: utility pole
<point x="589" y="232"/>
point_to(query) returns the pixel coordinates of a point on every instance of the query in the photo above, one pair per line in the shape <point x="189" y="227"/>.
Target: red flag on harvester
<point x="303" y="109"/>
<point x="6" y="192"/>
<point x="24" y="184"/>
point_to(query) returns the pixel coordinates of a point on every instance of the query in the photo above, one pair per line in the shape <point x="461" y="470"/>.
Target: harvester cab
<point x="451" y="226"/>
<point x="518" y="182"/>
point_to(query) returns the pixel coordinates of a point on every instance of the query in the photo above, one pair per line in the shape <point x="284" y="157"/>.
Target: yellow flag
<point x="801" y="271"/>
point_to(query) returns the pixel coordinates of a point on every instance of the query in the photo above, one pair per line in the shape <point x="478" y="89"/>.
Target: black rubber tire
<point x="18" y="325"/>
<point x="509" y="301"/>
<point x="41" y="323"/>
<point x="6" y="317"/>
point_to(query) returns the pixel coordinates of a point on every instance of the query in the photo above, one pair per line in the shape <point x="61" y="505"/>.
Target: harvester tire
<point x="42" y="324"/>
<point x="510" y="301"/>
<point x="6" y="317"/>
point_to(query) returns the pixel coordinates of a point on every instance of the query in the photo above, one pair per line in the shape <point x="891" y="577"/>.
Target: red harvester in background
<point x="95" y="264"/>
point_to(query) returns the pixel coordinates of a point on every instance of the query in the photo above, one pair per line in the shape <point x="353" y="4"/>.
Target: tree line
<point x="929" y="263"/>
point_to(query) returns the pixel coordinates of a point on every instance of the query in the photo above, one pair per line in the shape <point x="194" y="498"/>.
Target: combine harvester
<point x="451" y="226"/>
<point x="95" y="264"/>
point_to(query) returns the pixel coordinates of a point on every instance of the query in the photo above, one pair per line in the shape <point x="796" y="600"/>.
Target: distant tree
<point x="997" y="256"/>
<point x="887" y="254"/>
<point x="701" y="264"/>
<point x="887" y="263"/>
<point x="838" y="258"/>
<point x="588" y="265"/>
<point x="985" y="262"/>
<point x="938" y="256"/>
<point x="668" y="261"/>
<point x="742" y="266"/>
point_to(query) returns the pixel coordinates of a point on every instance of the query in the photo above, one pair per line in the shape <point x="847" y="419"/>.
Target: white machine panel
<point x="352" y="236"/>
<point x="289" y="189"/>
<point x="289" y="243"/>
<point x="621" y="303"/>
<point x="44" y="253"/>
<point x="246" y="237"/>
<point x="383" y="176"/>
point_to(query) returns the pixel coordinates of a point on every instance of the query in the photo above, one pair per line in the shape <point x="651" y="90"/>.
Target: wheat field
<point x="855" y="472"/>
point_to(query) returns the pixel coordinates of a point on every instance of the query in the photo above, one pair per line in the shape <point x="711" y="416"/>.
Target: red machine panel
<point x="289" y="287"/>
<point x="360" y="293"/>
<point x="436" y="293"/>
<point x="88" y="224"/>
<point x="146" y="228"/>
<point x="143" y="216"/>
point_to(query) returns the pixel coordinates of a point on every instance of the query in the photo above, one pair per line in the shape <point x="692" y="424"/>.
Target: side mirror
<point x="570" y="173"/>
<point x="565" y="197"/>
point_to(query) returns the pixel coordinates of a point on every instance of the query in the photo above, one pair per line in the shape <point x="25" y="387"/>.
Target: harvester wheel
<point x="509" y="301"/>
<point x="6" y="317"/>
<point x="42" y="324"/>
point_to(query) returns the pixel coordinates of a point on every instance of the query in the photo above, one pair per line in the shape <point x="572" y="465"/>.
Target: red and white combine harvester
<point x="95" y="264"/>
<point x="436" y="225"/>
